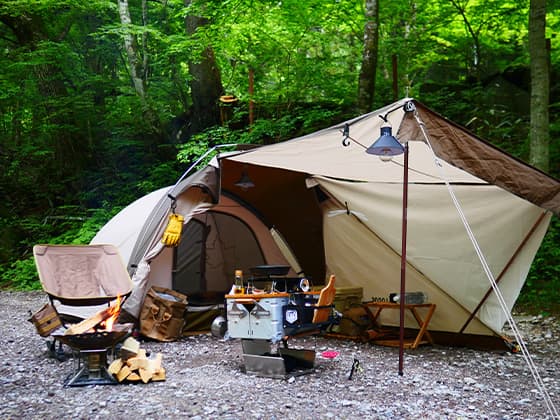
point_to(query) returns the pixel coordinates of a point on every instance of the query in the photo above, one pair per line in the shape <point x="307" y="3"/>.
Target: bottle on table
<point x="239" y="286"/>
<point x="249" y="290"/>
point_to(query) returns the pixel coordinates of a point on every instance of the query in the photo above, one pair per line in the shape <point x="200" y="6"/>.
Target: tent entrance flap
<point x="188" y="268"/>
<point x="215" y="244"/>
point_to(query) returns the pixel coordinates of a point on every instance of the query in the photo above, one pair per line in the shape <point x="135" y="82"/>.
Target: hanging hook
<point x="409" y="107"/>
<point x="173" y="203"/>
<point x="346" y="134"/>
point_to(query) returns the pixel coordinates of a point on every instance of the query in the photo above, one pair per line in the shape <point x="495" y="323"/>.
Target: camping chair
<point x="80" y="280"/>
<point x="323" y="314"/>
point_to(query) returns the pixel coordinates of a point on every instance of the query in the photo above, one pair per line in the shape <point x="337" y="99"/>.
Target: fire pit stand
<point x="90" y="350"/>
<point x="91" y="369"/>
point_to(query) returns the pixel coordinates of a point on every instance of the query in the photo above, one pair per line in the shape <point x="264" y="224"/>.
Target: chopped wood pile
<point x="134" y="365"/>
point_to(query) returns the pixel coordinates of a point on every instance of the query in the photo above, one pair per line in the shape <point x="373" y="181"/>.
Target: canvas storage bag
<point x="162" y="314"/>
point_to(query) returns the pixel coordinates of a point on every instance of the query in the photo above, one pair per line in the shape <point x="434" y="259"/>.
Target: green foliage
<point x="78" y="143"/>
<point x="190" y="152"/>
<point x="20" y="275"/>
<point x="298" y="53"/>
<point x="56" y="229"/>
<point x="297" y="121"/>
<point x="541" y="292"/>
<point x="292" y="123"/>
<point x="200" y="143"/>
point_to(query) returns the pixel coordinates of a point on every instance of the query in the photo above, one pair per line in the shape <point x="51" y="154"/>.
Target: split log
<point x="155" y="363"/>
<point x="145" y="375"/>
<point x="123" y="374"/>
<point x="130" y="348"/>
<point x="159" y="376"/>
<point x="115" y="366"/>
<point x="133" y="377"/>
<point x="89" y="323"/>
<point x="135" y="363"/>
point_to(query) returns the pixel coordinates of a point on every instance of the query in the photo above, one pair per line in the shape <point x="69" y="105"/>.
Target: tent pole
<point x="403" y="261"/>
<point x="200" y="159"/>
<point x="504" y="270"/>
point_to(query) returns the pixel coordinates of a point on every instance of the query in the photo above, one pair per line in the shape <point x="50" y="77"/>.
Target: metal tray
<point x="270" y="270"/>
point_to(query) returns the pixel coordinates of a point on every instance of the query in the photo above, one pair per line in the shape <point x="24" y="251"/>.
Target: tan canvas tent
<point x="340" y="209"/>
<point x="216" y="240"/>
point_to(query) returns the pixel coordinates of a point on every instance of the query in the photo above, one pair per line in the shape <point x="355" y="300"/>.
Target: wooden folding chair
<point x="324" y="304"/>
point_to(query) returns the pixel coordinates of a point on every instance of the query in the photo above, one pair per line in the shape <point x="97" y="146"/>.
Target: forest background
<point x="104" y="101"/>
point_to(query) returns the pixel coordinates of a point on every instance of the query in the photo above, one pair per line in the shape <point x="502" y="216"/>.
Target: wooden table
<point x="423" y="336"/>
<point x="248" y="297"/>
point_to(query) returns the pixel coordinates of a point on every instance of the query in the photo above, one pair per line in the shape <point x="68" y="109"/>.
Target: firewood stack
<point x="135" y="366"/>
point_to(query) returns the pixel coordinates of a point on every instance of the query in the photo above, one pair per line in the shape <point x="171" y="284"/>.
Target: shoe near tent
<point x="340" y="211"/>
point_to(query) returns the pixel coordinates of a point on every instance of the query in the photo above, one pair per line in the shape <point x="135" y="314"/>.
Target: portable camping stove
<point x="91" y="349"/>
<point x="258" y="320"/>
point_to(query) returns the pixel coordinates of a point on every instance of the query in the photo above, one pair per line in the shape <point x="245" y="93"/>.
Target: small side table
<point x="374" y="309"/>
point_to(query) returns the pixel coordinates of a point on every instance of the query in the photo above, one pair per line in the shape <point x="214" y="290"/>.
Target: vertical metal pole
<point x="403" y="261"/>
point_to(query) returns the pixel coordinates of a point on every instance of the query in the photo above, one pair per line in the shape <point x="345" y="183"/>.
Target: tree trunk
<point x="366" y="81"/>
<point x="540" y="85"/>
<point x="131" y="48"/>
<point x="475" y="35"/>
<point x="138" y="64"/>
<point x="206" y="83"/>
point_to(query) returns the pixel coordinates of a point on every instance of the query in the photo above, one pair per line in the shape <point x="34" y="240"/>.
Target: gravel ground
<point x="204" y="379"/>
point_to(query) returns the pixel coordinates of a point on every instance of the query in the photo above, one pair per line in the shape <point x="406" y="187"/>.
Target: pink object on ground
<point x="330" y="354"/>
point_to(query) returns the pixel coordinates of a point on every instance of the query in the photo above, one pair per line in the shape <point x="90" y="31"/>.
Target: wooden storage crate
<point x="46" y="320"/>
<point x="347" y="297"/>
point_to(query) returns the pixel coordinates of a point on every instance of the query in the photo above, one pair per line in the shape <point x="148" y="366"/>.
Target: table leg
<point x="423" y="324"/>
<point x="373" y="317"/>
